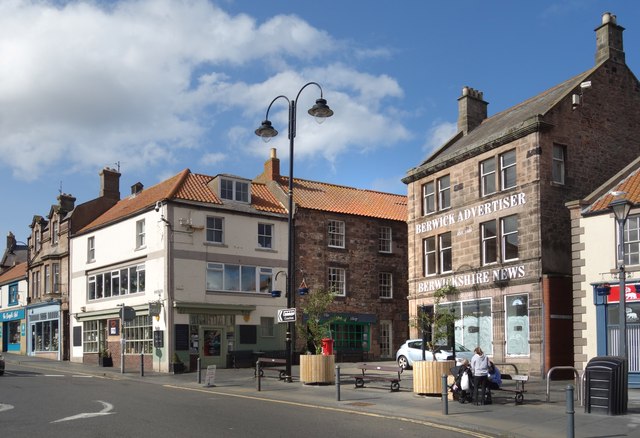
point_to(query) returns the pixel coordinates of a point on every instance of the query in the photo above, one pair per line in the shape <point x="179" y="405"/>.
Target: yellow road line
<point x="341" y="410"/>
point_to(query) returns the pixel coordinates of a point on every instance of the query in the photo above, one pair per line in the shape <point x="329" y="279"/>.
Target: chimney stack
<point x="609" y="40"/>
<point x="110" y="184"/>
<point x="66" y="202"/>
<point x="472" y="110"/>
<point x="271" y="168"/>
<point x="136" y="188"/>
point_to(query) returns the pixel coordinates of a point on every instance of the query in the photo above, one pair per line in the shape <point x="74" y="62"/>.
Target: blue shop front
<point x="607" y="300"/>
<point x="12" y="331"/>
<point x="44" y="324"/>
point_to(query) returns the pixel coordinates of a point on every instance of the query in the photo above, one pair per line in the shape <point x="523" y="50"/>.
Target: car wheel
<point x="403" y="362"/>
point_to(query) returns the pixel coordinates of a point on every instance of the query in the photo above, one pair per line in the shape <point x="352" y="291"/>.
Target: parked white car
<point x="411" y="351"/>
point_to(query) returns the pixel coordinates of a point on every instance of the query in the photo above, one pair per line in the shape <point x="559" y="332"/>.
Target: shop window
<point x="138" y="335"/>
<point x="517" y="325"/>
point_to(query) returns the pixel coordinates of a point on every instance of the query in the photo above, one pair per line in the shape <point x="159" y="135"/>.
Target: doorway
<point x="213" y="348"/>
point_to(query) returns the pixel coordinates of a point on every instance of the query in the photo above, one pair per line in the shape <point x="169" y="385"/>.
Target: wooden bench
<point x="373" y="373"/>
<point x="272" y="365"/>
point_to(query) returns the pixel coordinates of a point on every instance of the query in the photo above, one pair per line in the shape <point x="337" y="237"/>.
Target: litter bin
<point x="327" y="346"/>
<point x="606" y="386"/>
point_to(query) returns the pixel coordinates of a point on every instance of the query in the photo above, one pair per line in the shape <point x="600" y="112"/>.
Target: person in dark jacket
<point x="464" y="382"/>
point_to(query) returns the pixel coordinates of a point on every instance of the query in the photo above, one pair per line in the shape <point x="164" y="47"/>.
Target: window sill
<point x="220" y="245"/>
<point x="266" y="250"/>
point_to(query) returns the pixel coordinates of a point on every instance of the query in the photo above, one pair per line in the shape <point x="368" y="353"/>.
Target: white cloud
<point x="439" y="133"/>
<point x="87" y="83"/>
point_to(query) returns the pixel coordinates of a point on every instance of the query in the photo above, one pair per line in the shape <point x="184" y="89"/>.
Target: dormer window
<point x="234" y="190"/>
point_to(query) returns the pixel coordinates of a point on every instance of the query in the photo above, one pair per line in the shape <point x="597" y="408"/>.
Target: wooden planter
<point x="317" y="368"/>
<point x="427" y="376"/>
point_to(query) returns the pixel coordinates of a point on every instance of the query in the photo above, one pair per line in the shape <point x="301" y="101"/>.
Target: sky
<point x="151" y="87"/>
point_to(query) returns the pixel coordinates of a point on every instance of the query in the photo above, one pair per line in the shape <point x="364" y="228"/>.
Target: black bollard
<point x="445" y="398"/>
<point x="338" y="382"/>
<point x="141" y="364"/>
<point x="258" y="374"/>
<point x="570" y="412"/>
<point x="199" y="371"/>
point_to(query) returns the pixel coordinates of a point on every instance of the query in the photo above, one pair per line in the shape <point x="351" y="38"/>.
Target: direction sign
<point x="287" y="315"/>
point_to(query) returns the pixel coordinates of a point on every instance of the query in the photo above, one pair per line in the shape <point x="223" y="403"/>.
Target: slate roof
<point x="501" y="125"/>
<point x="316" y="195"/>
<point x="184" y="186"/>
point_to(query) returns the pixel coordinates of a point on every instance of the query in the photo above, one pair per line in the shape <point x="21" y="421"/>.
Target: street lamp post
<point x="266" y="131"/>
<point x="621" y="208"/>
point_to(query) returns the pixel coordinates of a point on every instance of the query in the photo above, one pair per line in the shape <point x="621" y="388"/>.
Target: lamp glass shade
<point x="621" y="208"/>
<point x="320" y="110"/>
<point x="266" y="131"/>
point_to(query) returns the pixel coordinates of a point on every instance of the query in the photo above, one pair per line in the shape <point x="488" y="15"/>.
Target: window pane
<point x="557" y="169"/>
<point x="488" y="176"/>
<point x="429" y="198"/>
<point x="508" y="165"/>
<point x="429" y="256"/>
<point x="517" y="326"/>
<point x="444" y="192"/>
<point x="445" y="253"/>
<point x="226" y="189"/>
<point x="248" y="278"/>
<point x="214" y="276"/>
<point x="232" y="277"/>
<point x="510" y="237"/>
<point x="489" y="249"/>
<point x="242" y="191"/>
<point x="632" y="240"/>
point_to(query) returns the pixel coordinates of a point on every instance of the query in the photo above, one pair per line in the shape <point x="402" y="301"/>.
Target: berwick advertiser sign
<point x="453" y="218"/>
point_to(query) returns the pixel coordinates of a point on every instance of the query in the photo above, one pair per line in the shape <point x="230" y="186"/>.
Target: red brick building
<point x="354" y="241"/>
<point x="486" y="211"/>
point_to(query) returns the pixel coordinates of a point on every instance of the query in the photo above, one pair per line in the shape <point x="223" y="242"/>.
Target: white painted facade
<point x="175" y="258"/>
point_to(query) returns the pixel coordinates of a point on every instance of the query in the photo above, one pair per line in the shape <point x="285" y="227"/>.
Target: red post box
<point x="327" y="346"/>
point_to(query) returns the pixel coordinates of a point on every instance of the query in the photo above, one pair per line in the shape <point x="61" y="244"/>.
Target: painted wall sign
<point x="471" y="278"/>
<point x="447" y="220"/>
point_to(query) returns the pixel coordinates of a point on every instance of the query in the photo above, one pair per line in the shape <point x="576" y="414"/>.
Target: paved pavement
<point x="537" y="417"/>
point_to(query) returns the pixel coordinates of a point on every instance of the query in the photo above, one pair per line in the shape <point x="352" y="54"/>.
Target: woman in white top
<point x="480" y="370"/>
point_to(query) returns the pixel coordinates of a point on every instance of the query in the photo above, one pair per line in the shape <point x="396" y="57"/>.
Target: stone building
<point x="486" y="211"/>
<point x="48" y="266"/>
<point x="353" y="241"/>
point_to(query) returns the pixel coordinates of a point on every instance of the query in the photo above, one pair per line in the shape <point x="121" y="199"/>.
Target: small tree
<point x="318" y="324"/>
<point x="437" y="322"/>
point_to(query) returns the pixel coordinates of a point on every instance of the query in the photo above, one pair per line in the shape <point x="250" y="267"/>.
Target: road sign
<point x="286" y="315"/>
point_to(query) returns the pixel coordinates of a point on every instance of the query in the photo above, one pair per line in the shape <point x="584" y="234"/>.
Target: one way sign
<point x="286" y="315"/>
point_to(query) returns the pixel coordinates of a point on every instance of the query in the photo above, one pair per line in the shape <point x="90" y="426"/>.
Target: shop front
<point x="12" y="331"/>
<point x="44" y="324"/>
<point x="607" y="302"/>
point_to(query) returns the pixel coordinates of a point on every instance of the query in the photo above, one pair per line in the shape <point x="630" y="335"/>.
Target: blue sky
<point x="163" y="85"/>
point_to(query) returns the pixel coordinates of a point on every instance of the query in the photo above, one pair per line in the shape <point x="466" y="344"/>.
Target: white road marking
<point x="105" y="411"/>
<point x="4" y="407"/>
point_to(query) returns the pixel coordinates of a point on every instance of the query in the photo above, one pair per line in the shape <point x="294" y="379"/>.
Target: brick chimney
<point x="472" y="110"/>
<point x="271" y="168"/>
<point x="110" y="184"/>
<point x="67" y="203"/>
<point x="609" y="40"/>
<point x="137" y="188"/>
